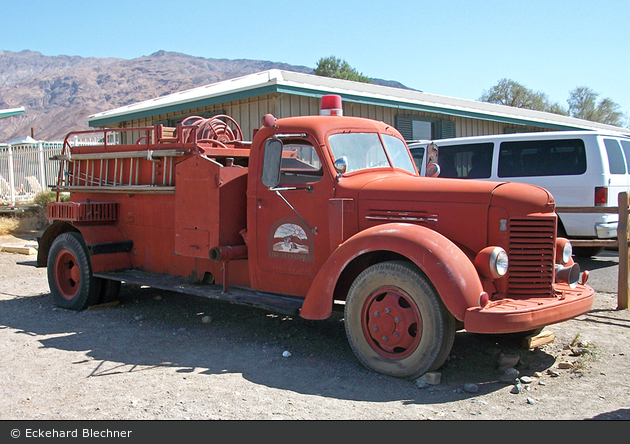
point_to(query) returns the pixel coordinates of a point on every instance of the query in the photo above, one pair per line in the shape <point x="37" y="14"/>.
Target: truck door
<point x="292" y="218"/>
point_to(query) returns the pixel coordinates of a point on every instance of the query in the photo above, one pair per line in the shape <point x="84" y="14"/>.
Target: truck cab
<point x="315" y="214"/>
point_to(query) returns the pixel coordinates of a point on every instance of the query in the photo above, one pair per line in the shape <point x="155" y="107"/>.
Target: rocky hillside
<point x="60" y="92"/>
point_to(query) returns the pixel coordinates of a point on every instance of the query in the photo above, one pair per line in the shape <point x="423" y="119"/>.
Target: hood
<point x="400" y="187"/>
<point x="523" y="198"/>
<point x="457" y="208"/>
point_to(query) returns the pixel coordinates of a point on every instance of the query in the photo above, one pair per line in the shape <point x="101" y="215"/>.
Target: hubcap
<point x="67" y="274"/>
<point x="391" y="322"/>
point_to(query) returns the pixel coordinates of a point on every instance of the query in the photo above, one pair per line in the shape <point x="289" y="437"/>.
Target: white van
<point x="579" y="168"/>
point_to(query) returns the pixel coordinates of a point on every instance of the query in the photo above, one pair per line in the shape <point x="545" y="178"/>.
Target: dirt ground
<point x="164" y="356"/>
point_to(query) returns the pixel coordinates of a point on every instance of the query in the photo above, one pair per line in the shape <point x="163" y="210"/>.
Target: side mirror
<point x="341" y="165"/>
<point x="432" y="160"/>
<point x="433" y="170"/>
<point x="271" y="163"/>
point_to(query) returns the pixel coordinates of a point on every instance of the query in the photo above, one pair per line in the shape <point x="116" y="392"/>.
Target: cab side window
<point x="300" y="163"/>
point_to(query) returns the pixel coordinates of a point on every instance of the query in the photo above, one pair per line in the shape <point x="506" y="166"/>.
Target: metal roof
<point x="11" y="112"/>
<point x="288" y="82"/>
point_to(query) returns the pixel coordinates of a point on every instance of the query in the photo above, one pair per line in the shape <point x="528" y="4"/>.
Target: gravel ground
<point x="163" y="356"/>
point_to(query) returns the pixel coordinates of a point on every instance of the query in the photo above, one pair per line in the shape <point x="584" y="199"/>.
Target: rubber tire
<point x="70" y="273"/>
<point x="110" y="291"/>
<point x="587" y="252"/>
<point x="580" y="252"/>
<point x="438" y="325"/>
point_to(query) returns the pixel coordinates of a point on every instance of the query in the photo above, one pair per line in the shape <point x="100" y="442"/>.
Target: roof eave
<point x="96" y="121"/>
<point x="11" y="112"/>
<point x="278" y="81"/>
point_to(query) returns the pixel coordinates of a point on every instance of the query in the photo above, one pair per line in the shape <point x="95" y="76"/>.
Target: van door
<point x="625" y="147"/>
<point x="559" y="166"/>
<point x="618" y="167"/>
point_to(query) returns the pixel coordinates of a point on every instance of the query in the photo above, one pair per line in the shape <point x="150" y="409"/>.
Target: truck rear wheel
<point x="396" y="323"/>
<point x="110" y="291"/>
<point x="70" y="273"/>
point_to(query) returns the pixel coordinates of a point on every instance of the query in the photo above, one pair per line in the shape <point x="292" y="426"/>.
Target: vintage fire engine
<point x="315" y="214"/>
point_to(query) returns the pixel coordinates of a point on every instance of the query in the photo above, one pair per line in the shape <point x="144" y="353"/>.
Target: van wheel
<point x="586" y="252"/>
<point x="581" y="252"/>
<point x="70" y="273"/>
<point x="396" y="323"/>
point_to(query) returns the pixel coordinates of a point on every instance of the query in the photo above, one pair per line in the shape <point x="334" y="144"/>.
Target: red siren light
<point x="331" y="105"/>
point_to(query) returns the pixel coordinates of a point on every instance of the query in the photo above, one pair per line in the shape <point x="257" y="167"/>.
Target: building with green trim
<point x="11" y="112"/>
<point x="417" y="115"/>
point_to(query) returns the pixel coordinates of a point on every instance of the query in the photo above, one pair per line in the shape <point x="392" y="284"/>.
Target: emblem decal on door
<point x="289" y="240"/>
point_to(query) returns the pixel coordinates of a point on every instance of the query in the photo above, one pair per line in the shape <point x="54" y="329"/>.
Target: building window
<point x="424" y="128"/>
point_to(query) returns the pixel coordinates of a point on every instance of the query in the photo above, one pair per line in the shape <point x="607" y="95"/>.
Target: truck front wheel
<point x="396" y="323"/>
<point x="70" y="274"/>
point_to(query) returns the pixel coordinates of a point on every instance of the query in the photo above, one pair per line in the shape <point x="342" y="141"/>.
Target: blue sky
<point x="454" y="48"/>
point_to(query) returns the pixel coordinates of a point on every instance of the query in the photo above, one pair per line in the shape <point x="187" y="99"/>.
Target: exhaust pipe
<point x="227" y="253"/>
<point x="568" y="275"/>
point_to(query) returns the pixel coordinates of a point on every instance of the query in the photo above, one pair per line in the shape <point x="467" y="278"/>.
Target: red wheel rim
<point x="67" y="274"/>
<point x="391" y="323"/>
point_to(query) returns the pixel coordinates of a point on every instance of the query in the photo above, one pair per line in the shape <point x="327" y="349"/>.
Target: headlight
<point x="492" y="262"/>
<point x="564" y="251"/>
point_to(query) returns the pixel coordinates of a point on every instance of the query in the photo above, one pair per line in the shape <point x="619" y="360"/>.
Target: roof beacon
<point x="331" y="106"/>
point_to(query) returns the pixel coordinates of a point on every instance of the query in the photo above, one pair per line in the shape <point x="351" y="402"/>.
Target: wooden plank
<point x="21" y="250"/>
<point x="533" y="341"/>
<point x="622" y="237"/>
<point x="607" y="210"/>
<point x="594" y="242"/>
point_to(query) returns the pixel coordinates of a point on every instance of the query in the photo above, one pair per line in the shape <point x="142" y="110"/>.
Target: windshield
<point x="365" y="150"/>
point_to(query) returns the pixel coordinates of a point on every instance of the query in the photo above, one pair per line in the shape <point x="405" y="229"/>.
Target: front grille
<point x="532" y="242"/>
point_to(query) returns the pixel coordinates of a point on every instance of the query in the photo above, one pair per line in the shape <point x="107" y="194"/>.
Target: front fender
<point x="447" y="267"/>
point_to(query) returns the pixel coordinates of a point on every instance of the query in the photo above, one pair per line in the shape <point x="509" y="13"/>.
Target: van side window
<point x="300" y="163"/>
<point x="542" y="158"/>
<point x="625" y="145"/>
<point x="615" y="157"/>
<point x="470" y="161"/>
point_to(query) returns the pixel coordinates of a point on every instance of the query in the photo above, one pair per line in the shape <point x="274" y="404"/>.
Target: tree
<point x="339" y="69"/>
<point x="510" y="93"/>
<point x="583" y="104"/>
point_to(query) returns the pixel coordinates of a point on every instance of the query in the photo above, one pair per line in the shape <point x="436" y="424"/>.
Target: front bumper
<point x="516" y="315"/>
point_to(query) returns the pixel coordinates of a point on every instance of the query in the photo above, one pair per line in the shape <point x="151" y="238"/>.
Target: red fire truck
<point x="315" y="214"/>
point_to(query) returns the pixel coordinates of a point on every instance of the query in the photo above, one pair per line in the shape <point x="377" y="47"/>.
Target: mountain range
<point x="60" y="92"/>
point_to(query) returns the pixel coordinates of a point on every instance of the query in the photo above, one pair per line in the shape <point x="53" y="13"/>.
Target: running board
<point x="236" y="295"/>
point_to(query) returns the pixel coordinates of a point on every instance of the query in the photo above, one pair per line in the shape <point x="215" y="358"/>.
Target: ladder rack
<point x="119" y="172"/>
<point x="143" y="167"/>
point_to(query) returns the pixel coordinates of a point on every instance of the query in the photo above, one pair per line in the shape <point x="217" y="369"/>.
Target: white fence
<point x="26" y="168"/>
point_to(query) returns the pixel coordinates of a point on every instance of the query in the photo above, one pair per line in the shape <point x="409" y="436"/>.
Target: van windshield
<point x="368" y="150"/>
